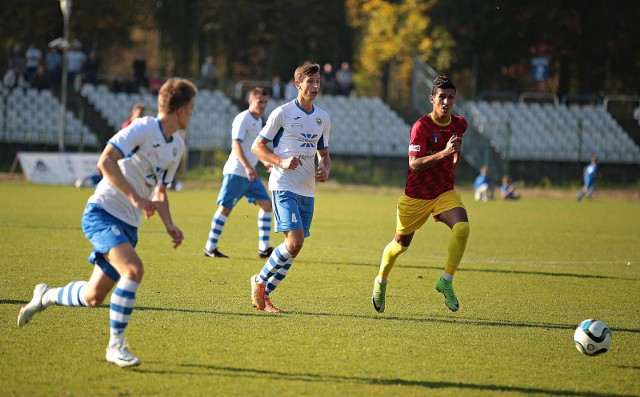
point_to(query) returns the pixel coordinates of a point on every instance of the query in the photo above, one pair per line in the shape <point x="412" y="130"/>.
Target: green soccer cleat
<point x="446" y="288"/>
<point x="377" y="298"/>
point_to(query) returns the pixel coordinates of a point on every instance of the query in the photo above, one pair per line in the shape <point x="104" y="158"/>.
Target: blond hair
<point x="174" y="94"/>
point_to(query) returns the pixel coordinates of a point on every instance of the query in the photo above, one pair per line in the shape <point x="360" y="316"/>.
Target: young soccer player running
<point x="299" y="131"/>
<point x="240" y="178"/>
<point x="138" y="164"/>
<point x="434" y="153"/>
<point x="589" y="179"/>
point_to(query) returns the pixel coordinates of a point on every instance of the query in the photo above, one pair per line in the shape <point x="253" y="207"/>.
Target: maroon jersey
<point x="429" y="137"/>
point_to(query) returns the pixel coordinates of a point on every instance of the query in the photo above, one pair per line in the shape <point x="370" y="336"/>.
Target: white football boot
<point x="33" y="307"/>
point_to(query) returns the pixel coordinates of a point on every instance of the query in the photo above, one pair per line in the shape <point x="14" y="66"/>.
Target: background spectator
<point x="328" y="80"/>
<point x="508" y="190"/>
<point x="155" y="82"/>
<point x="91" y="67"/>
<point x="53" y="63"/>
<point x="13" y="79"/>
<point x="276" y="87"/>
<point x="76" y="60"/>
<point x="344" y="79"/>
<point x="290" y="90"/>
<point x="41" y="80"/>
<point x="140" y="71"/>
<point x="16" y="58"/>
<point x="33" y="58"/>
<point x="208" y="74"/>
<point x="137" y="111"/>
<point x="483" y="190"/>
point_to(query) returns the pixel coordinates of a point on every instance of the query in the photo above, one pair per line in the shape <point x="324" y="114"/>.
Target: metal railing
<point x="478" y="150"/>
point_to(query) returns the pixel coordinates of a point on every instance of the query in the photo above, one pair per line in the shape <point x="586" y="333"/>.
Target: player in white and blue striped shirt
<point x="241" y="179"/>
<point x="138" y="164"/>
<point x="299" y="131"/>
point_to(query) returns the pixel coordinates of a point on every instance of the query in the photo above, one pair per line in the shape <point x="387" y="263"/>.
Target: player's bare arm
<point x="108" y="165"/>
<point x="236" y="146"/>
<point x="324" y="166"/>
<point x="260" y="149"/>
<point x="417" y="164"/>
<point x="161" y="202"/>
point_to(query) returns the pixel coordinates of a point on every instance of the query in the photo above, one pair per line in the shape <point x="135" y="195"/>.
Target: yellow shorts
<point x="413" y="213"/>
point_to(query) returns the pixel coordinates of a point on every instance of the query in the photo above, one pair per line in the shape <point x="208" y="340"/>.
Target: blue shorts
<point x="104" y="232"/>
<point x="292" y="211"/>
<point x="234" y="187"/>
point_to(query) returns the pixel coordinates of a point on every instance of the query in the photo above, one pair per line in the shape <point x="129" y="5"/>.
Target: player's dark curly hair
<point x="441" y="82"/>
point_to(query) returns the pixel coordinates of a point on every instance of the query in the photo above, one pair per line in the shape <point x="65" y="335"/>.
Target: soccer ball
<point x="592" y="337"/>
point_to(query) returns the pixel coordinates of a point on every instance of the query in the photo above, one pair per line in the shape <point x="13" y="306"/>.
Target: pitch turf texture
<point x="532" y="271"/>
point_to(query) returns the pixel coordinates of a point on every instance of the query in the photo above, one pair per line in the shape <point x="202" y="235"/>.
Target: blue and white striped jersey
<point x="245" y="128"/>
<point x="149" y="159"/>
<point x="294" y="132"/>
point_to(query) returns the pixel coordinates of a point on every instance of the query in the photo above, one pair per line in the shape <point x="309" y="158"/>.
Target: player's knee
<point x="462" y="230"/>
<point x="93" y="299"/>
<point x="294" y="247"/>
<point x="133" y="273"/>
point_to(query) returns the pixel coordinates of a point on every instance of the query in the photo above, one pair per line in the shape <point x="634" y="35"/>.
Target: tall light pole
<point x="65" y="6"/>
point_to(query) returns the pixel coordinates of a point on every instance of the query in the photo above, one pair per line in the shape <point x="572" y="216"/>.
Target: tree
<point x="257" y="39"/>
<point x="389" y="34"/>
<point x="495" y="41"/>
<point x="95" y="24"/>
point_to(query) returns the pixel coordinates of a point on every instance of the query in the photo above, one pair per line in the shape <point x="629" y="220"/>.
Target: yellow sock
<point x="457" y="245"/>
<point x="389" y="256"/>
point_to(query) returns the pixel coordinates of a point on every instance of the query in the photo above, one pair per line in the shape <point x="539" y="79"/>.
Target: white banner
<point x="57" y="168"/>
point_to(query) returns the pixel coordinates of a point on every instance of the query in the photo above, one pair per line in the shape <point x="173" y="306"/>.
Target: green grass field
<point x="532" y="271"/>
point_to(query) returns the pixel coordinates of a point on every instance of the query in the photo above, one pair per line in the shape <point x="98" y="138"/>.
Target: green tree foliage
<point x="97" y="25"/>
<point x="484" y="45"/>
<point x="258" y="39"/>
<point x="389" y="34"/>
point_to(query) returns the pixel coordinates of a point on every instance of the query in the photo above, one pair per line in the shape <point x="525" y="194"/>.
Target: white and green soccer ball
<point x="592" y="337"/>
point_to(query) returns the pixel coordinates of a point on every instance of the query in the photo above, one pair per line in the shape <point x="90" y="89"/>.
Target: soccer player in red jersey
<point x="434" y="153"/>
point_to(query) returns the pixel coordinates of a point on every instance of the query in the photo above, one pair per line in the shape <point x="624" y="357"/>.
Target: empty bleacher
<point x="33" y="117"/>
<point x="362" y="126"/>
<point x="210" y="125"/>
<point x="534" y="131"/>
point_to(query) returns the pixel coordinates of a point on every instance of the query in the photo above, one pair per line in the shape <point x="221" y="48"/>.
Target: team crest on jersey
<point x="308" y="140"/>
<point x="435" y="138"/>
<point x="318" y="120"/>
<point x="175" y="151"/>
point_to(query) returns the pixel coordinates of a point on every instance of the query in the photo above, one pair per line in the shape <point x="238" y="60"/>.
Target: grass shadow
<point x="502" y="271"/>
<point x="457" y="320"/>
<point x="252" y="373"/>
